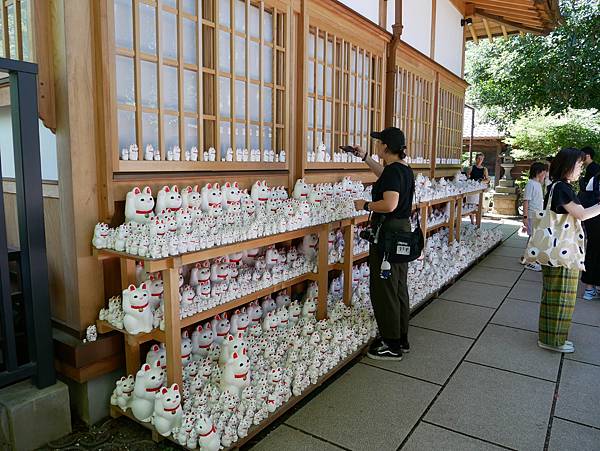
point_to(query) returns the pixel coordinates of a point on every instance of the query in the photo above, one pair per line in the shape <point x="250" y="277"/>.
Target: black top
<point x="563" y="194"/>
<point x="400" y="178"/>
<point x="477" y="173"/>
<point x="592" y="169"/>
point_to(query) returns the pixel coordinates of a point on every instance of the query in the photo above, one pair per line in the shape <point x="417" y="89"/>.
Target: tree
<point x="539" y="135"/>
<point x="556" y="72"/>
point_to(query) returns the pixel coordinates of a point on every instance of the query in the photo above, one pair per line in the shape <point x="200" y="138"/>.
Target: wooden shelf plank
<point x="360" y="256"/>
<point x="198" y="166"/>
<point x="105" y="327"/>
<point x="332" y="165"/>
<point x="436" y="227"/>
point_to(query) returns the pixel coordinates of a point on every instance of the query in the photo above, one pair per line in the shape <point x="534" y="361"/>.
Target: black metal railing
<point x="25" y="327"/>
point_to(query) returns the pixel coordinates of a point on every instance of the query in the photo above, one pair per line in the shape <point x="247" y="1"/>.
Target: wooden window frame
<point x="208" y="74"/>
<point x="451" y="100"/>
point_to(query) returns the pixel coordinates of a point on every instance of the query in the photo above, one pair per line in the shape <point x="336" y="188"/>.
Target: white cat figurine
<point x="236" y="374"/>
<point x="202" y="338"/>
<point x="139" y="204"/>
<point x="122" y="394"/>
<point x="137" y="310"/>
<point x="167" y="410"/>
<point x="148" y="381"/>
<point x="168" y="199"/>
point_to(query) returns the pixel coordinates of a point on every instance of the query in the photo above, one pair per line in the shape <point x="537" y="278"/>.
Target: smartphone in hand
<point x="348" y="149"/>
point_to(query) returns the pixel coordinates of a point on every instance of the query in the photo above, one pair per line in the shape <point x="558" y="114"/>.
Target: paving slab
<point x="476" y="293"/>
<point x="502" y="262"/>
<point x="454" y="318"/>
<point x="492" y="276"/>
<point x="498" y="406"/>
<point x="578" y="394"/>
<point x="526" y="291"/>
<point x="517" y="313"/>
<point x="428" y="437"/>
<point x="287" y="438"/>
<point x="532" y="276"/>
<point x="587" y="344"/>
<point x="514" y="350"/>
<point x="433" y="355"/>
<point x="517" y="241"/>
<point x="587" y="312"/>
<point x="567" y="436"/>
<point x="356" y="410"/>
<point x="508" y="251"/>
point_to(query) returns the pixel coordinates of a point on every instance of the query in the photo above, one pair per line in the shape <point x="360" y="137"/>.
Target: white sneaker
<point x="565" y="349"/>
<point x="533" y="267"/>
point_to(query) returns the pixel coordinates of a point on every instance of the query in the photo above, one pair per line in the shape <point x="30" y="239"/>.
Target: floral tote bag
<point x="557" y="240"/>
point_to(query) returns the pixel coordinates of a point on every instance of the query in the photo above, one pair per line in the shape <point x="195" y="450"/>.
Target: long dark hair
<point x="564" y="163"/>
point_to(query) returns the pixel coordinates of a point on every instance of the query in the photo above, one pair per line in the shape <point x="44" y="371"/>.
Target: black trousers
<point x="591" y="275"/>
<point x="390" y="296"/>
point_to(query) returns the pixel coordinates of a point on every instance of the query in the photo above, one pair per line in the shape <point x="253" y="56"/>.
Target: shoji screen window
<point x="251" y="78"/>
<point x="206" y="75"/>
<point x="413" y="111"/>
<point x="16" y="40"/>
<point x="343" y="95"/>
<point x="450" y="128"/>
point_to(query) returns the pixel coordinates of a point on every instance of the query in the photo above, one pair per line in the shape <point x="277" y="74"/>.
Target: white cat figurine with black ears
<point x="168" y="199"/>
<point x="139" y="205"/>
<point x="148" y="381"/>
<point x="137" y="310"/>
<point x="167" y="410"/>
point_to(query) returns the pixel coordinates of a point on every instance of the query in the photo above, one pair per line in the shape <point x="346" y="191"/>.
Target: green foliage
<point x="539" y="135"/>
<point x="556" y="72"/>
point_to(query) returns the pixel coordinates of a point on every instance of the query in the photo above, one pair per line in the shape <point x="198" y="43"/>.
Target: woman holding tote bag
<point x="558" y="245"/>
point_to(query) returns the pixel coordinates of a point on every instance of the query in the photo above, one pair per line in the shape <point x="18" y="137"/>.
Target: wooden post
<point x="383" y="13"/>
<point x="397" y="27"/>
<point x="459" y="201"/>
<point x="348" y="262"/>
<point x="424" y="210"/>
<point x="173" y="325"/>
<point x="479" y="209"/>
<point x="323" y="275"/>
<point x="127" y="272"/>
<point x="133" y="361"/>
<point x="452" y="220"/>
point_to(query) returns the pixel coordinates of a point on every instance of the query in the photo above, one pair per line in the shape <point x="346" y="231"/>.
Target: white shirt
<point x="534" y="194"/>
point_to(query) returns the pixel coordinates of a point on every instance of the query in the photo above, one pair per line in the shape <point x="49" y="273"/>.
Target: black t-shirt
<point x="477" y="173"/>
<point x="592" y="169"/>
<point x="563" y="194"/>
<point x="400" y="178"/>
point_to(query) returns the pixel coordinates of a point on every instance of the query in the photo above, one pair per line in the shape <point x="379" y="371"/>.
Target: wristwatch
<point x="366" y="207"/>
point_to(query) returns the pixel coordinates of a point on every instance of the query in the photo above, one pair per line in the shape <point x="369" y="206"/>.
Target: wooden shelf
<point x="443" y="200"/>
<point x="335" y="267"/>
<point x="360" y="256"/>
<point x="256" y="429"/>
<point x="439" y="226"/>
<point x="198" y="166"/>
<point x="104" y="327"/>
<point x="332" y="166"/>
<point x="206" y="314"/>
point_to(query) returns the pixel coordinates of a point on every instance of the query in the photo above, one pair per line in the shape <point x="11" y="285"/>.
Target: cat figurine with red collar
<point x="219" y="271"/>
<point x="202" y="338"/>
<point x="139" y="205"/>
<point x="255" y="312"/>
<point x="122" y="394"/>
<point x="271" y="256"/>
<point x="240" y="320"/>
<point x="157" y="352"/>
<point x="186" y="435"/>
<point x="168" y="412"/>
<point x="294" y="312"/>
<point x="236" y="373"/>
<point x="268" y="305"/>
<point x="232" y="343"/>
<point x="220" y="326"/>
<point x="260" y="192"/>
<point x="309" y="308"/>
<point x="190" y="197"/>
<point x="309" y="246"/>
<point x="187" y="305"/>
<point x="212" y="199"/>
<point x="209" y="438"/>
<point x="168" y="199"/>
<point x="282" y="299"/>
<point x="301" y="190"/>
<point x="186" y="348"/>
<point x="156" y="288"/>
<point x="232" y="196"/>
<point x="270" y="321"/>
<point x="148" y="381"/>
<point x="200" y="273"/>
<point x="100" y="240"/>
<point x="137" y="310"/>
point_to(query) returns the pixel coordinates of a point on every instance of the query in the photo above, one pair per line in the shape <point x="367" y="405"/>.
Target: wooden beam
<point x="397" y="27"/>
<point x="473" y="34"/>
<point x="459" y="5"/>
<point x="505" y="21"/>
<point x="504" y="31"/>
<point x="433" y="19"/>
<point x="487" y="29"/>
<point x="383" y="13"/>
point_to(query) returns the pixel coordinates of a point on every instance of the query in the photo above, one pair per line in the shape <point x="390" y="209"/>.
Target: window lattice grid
<point x="16" y="30"/>
<point x="450" y="126"/>
<point x="413" y="110"/>
<point x="200" y="74"/>
<point x="344" y="88"/>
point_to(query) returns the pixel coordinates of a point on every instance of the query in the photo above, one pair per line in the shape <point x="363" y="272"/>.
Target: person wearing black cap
<point x="392" y="202"/>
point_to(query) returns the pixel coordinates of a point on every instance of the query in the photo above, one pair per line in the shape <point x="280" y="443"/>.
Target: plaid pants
<point x="558" y="303"/>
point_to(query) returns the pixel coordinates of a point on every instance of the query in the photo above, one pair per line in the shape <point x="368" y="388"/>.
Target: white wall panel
<point x="448" y="37"/>
<point x="416" y="19"/>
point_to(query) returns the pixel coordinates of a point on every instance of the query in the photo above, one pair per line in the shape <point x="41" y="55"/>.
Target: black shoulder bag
<point x="398" y="246"/>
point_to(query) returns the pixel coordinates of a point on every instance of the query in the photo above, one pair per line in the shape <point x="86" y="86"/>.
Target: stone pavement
<point x="474" y="380"/>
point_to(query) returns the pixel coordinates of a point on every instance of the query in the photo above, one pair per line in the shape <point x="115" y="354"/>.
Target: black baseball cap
<point x="393" y="137"/>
